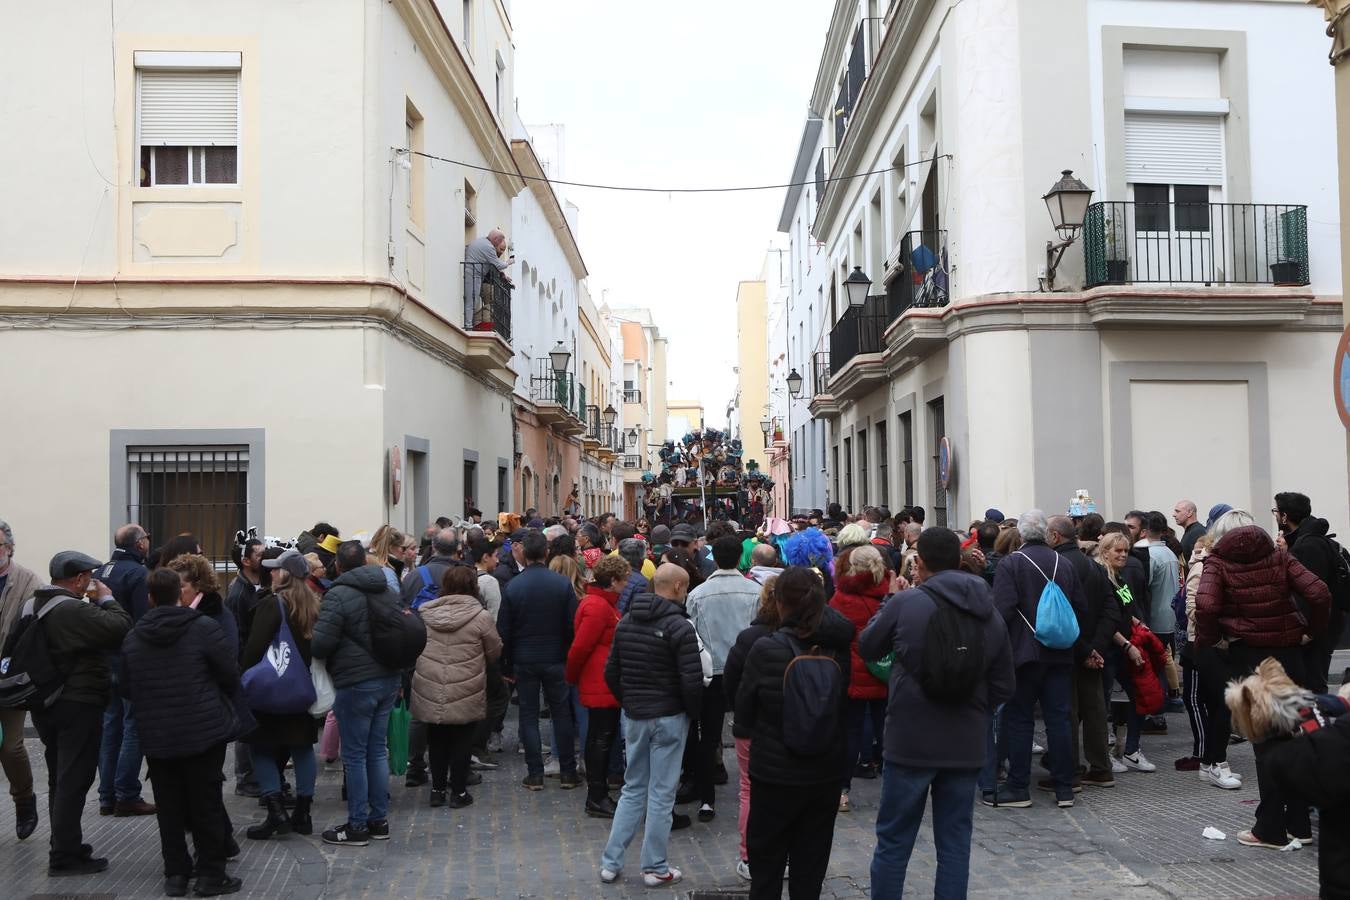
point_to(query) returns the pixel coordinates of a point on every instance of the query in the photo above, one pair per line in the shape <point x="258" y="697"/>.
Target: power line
<point x="672" y="190"/>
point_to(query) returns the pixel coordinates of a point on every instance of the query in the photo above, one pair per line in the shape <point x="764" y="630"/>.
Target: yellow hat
<point x="330" y="543"/>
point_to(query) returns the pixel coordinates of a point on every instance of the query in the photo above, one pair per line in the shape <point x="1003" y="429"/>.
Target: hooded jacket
<point x="126" y="576"/>
<point x="654" y="669"/>
<point x="1310" y="545"/>
<point x="1245" y="590"/>
<point x="178" y="670"/>
<point x="919" y="731"/>
<point x="858" y="598"/>
<point x="449" y="683"/>
<point x="759" y="705"/>
<point x="594" y="625"/>
<point x="735" y="668"/>
<point x="342" y="633"/>
<point x="79" y="636"/>
<point x="1017" y="594"/>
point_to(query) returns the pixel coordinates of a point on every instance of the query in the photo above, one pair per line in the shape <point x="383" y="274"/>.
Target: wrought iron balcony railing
<point x="859" y="330"/>
<point x="592" y="422"/>
<point x="820" y="370"/>
<point x="632" y="461"/>
<point x="547" y="386"/>
<point x="921" y="280"/>
<point x="1195" y="243"/>
<point x="487" y="299"/>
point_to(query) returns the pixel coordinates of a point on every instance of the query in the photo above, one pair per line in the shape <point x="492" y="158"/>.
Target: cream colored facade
<point x="1192" y="376"/>
<point x="304" y="322"/>
<point x="751" y="405"/>
<point x="601" y="490"/>
<point x="643" y="380"/>
<point x="682" y="417"/>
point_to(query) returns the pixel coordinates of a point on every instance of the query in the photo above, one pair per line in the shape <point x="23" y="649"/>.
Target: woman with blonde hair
<point x="1113" y="555"/>
<point x="384" y="545"/>
<point x="567" y="567"/>
<point x="851" y="535"/>
<point x="765" y="623"/>
<point x="860" y="585"/>
<point x="294" y="733"/>
<point x="1204" y="677"/>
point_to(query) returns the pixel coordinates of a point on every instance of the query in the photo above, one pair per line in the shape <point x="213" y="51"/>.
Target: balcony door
<point x="1173" y="234"/>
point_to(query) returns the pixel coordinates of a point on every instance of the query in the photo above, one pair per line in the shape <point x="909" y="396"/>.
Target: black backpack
<point x="397" y="634"/>
<point x="30" y="677"/>
<point x="813" y="693"/>
<point x="1340" y="577"/>
<point x="951" y="665"/>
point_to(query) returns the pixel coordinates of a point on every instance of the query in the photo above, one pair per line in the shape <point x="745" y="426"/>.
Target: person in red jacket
<point x="858" y="593"/>
<point x="1148" y="694"/>
<point x="593" y="630"/>
<point x="1256" y="601"/>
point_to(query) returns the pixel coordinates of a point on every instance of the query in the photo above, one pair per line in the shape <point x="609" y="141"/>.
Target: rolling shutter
<point x="1167" y="149"/>
<point x="189" y="109"/>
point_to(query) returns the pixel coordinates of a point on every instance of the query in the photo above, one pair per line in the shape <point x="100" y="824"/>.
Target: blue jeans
<point x="267" y="772"/>
<point x="362" y="712"/>
<point x="580" y="719"/>
<point x="904" y="795"/>
<point x="529" y="678"/>
<point x="995" y="750"/>
<point x="119" y="755"/>
<point x="1050" y="684"/>
<point x="655" y="747"/>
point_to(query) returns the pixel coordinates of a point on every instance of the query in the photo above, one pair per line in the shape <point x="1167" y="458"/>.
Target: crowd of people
<point x="844" y="647"/>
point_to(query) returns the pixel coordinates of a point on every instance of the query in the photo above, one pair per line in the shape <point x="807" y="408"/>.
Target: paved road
<point x="1138" y="840"/>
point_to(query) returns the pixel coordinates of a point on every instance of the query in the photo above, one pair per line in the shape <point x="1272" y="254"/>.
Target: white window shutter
<point x="189" y="109"/>
<point x="1163" y="149"/>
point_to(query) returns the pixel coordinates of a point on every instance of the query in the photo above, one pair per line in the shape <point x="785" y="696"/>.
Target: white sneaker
<point x="1118" y="767"/>
<point x="476" y="763"/>
<point x="1229" y="772"/>
<point x="653" y="879"/>
<point x="743" y="870"/>
<point x="1036" y="748"/>
<point x="494" y="743"/>
<point x="608" y="876"/>
<point x="552" y="769"/>
<point x="1138" y="762"/>
<point x="1219" y="778"/>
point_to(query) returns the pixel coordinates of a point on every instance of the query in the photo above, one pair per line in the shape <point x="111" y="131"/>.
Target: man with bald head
<point x="655" y="673"/>
<point x="482" y="256"/>
<point x="1187" y="516"/>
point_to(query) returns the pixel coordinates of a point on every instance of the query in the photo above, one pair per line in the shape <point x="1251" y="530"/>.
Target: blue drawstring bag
<point x="1056" y="626"/>
<point x="279" y="683"/>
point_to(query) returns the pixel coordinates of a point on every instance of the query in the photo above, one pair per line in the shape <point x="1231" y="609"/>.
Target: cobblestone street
<point x="1140" y="839"/>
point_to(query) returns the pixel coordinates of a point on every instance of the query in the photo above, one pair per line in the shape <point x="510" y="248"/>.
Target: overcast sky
<point x="695" y="94"/>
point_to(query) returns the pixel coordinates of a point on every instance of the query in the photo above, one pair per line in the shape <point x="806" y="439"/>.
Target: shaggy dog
<point x="1269" y="704"/>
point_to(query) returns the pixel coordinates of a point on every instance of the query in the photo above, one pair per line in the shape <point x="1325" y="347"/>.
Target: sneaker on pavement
<point x="133" y="808"/>
<point x="1219" y="778"/>
<point x="459" y="801"/>
<point x="533" y="782"/>
<point x="552" y="769"/>
<point x="1228" y="771"/>
<point x="416" y="778"/>
<point x="346" y="835"/>
<point x="706" y="813"/>
<point x="494" y="742"/>
<point x="484" y="764"/>
<point x="679" y="821"/>
<point x="567" y="782"/>
<point x="1036" y="748"/>
<point x="609" y="876"/>
<point x="474" y="778"/>
<point x="379" y="829"/>
<point x="659" y="879"/>
<point x="1048" y="785"/>
<point x="90" y="865"/>
<point x="1099" y="779"/>
<point x="1138" y="762"/>
<point x="743" y="870"/>
<point x="1064" y="801"/>
<point x="1118" y="767"/>
<point x="1006" y="798"/>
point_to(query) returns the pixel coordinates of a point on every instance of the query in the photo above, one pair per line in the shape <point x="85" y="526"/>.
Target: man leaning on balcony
<point x="480" y="255"/>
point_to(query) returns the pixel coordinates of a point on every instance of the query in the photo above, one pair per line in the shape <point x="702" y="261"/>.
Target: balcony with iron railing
<point x="555" y="397"/>
<point x="859" y="331"/>
<point x="487" y="299"/>
<point x="919" y="278"/>
<point x="1127" y="242"/>
<point x="632" y="461"/>
<point x="591" y="421"/>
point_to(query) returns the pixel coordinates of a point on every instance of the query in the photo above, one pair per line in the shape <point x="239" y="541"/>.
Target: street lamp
<point x="794" y="384"/>
<point x="559" y="356"/>
<point x="764" y="426"/>
<point x="1067" y="203"/>
<point x="609" y="415"/>
<point x="855" y="287"/>
<point x="632" y="437"/>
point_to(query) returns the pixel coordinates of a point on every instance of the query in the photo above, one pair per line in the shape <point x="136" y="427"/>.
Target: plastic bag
<point x="324" y="693"/>
<point x="399" y="720"/>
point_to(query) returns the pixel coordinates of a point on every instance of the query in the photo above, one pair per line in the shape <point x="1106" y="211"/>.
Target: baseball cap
<point x="69" y="563"/>
<point x="292" y="561"/>
<point x="661" y="535"/>
<point x="682" y="533"/>
<point x="993" y="515"/>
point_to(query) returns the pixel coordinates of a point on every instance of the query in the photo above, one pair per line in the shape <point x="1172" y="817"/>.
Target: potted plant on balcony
<point x="1117" y="256"/>
<point x="1287" y="233"/>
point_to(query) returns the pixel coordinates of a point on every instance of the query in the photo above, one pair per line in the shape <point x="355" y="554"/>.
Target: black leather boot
<point x="277" y="822"/>
<point x="300" y="820"/>
<point x="25" y="816"/>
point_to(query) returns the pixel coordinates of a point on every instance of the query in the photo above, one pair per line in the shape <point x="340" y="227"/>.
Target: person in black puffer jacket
<point x="178" y="671"/>
<point x="655" y="673"/>
<point x="793" y="799"/>
<point x="765" y="624"/>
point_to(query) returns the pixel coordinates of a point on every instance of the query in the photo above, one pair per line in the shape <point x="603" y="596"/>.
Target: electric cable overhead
<point x="672" y="190"/>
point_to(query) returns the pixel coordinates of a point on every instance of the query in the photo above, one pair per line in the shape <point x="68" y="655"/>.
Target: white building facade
<point x="233" y="231"/>
<point x="1182" y="348"/>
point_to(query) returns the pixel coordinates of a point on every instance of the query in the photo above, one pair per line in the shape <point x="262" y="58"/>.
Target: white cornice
<point x="529" y="165"/>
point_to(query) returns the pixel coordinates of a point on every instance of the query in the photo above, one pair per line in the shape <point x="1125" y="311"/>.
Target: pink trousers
<point x="743" y="763"/>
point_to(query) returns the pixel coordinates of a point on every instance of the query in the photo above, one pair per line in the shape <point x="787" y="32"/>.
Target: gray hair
<point x="1032" y="525"/>
<point x="475" y="534"/>
<point x="634" y="552"/>
<point x="8" y="532"/>
<point x="1234" y="518"/>
<point x="555" y="531"/>
<point x="446" y="542"/>
<point x="884" y="530"/>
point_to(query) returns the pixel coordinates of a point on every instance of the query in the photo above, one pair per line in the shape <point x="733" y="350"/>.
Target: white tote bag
<point x="323" y="689"/>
